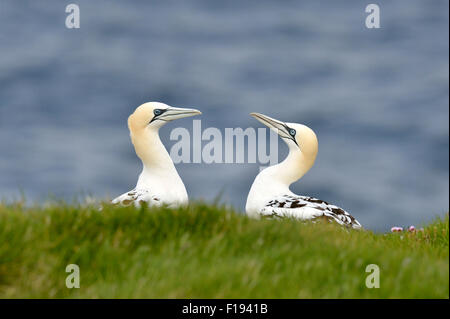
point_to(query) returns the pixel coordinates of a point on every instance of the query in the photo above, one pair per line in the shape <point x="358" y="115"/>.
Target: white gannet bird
<point x="159" y="182"/>
<point x="270" y="196"/>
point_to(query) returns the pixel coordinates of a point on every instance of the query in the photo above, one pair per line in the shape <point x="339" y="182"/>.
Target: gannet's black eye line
<point x="157" y="112"/>
<point x="292" y="132"/>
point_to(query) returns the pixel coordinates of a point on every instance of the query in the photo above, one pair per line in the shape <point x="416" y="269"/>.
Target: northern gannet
<point x="270" y="196"/>
<point x="159" y="182"/>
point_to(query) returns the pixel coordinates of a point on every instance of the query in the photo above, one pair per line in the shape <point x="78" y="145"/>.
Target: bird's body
<point x="270" y="195"/>
<point x="159" y="182"/>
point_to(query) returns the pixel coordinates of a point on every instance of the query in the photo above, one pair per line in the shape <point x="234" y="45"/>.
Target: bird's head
<point x="296" y="136"/>
<point x="153" y="115"/>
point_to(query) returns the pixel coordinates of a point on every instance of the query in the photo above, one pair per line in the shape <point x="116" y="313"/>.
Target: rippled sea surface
<point x="377" y="99"/>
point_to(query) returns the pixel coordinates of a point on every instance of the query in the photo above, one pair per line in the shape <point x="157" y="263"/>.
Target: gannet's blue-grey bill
<point x="174" y="113"/>
<point x="279" y="127"/>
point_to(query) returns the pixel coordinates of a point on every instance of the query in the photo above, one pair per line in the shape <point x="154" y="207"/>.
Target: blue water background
<point x="377" y="99"/>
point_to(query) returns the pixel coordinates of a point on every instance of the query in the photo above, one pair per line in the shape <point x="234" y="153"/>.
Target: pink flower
<point x="412" y="229"/>
<point x="396" y="229"/>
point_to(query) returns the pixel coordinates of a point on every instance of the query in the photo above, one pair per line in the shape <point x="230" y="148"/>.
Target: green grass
<point x="210" y="252"/>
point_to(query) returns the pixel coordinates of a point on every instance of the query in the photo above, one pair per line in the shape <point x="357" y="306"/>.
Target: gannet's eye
<point x="157" y="112"/>
<point x="292" y="132"/>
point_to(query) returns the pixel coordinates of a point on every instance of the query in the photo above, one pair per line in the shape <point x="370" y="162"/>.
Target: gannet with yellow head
<point x="159" y="182"/>
<point x="270" y="196"/>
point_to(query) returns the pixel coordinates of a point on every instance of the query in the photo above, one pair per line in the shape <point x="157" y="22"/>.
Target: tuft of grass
<point x="205" y="251"/>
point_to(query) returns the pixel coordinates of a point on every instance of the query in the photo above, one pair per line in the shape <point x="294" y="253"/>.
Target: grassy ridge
<point x="210" y="252"/>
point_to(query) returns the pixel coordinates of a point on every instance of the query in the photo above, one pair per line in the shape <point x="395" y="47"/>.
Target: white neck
<point x="294" y="166"/>
<point x="151" y="150"/>
<point x="159" y="174"/>
<point x="275" y="180"/>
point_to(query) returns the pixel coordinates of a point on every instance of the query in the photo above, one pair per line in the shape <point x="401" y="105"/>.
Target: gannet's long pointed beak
<point x="277" y="126"/>
<point x="173" y="113"/>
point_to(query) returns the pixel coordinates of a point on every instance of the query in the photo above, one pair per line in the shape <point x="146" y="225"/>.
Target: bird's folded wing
<point x="307" y="208"/>
<point x="137" y="197"/>
<point x="303" y="213"/>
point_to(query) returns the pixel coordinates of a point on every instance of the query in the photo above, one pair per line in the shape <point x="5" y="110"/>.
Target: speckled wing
<point x="307" y="208"/>
<point x="137" y="197"/>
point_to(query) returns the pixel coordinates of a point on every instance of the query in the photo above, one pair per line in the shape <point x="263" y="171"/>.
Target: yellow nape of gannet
<point x="159" y="182"/>
<point x="270" y="196"/>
